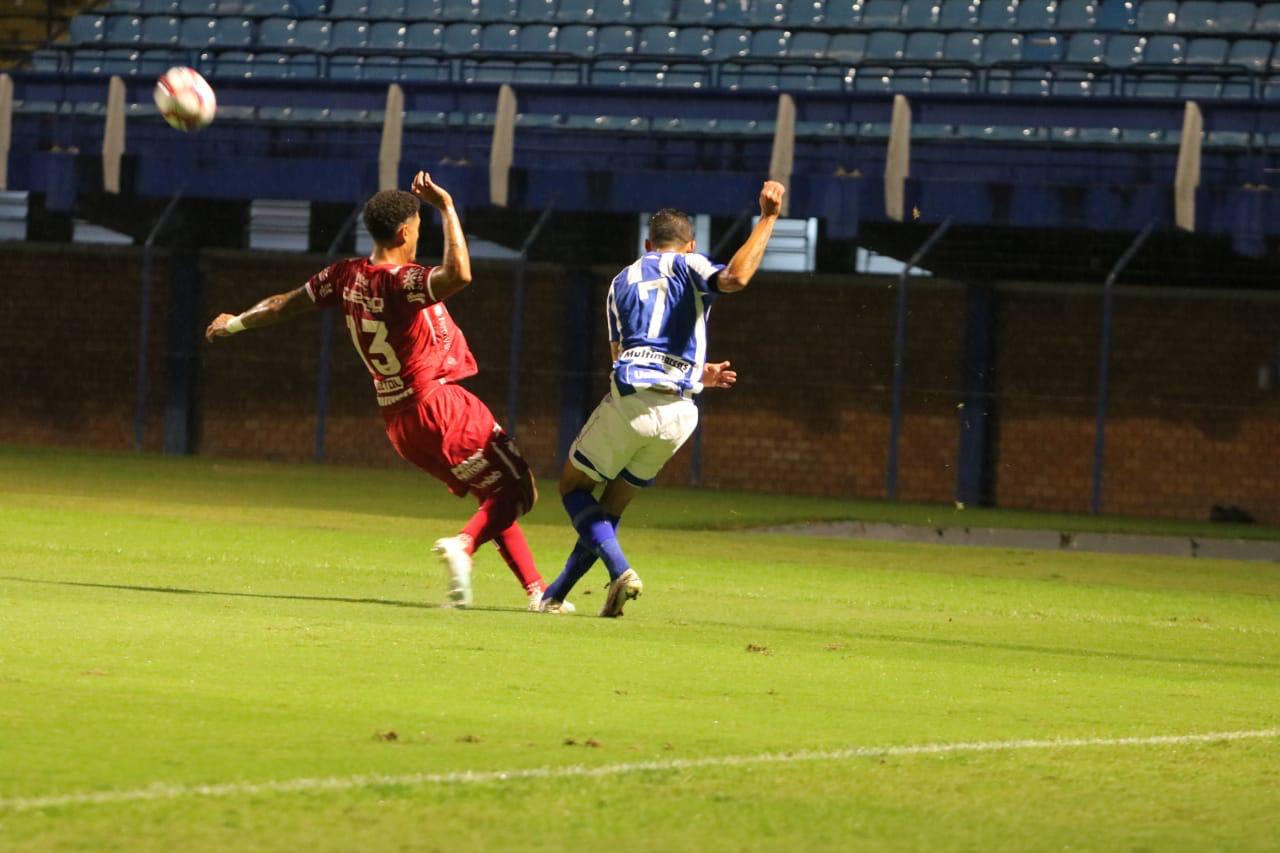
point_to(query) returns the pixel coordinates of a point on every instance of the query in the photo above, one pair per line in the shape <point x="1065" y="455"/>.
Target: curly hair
<point x="670" y="227"/>
<point x="388" y="210"/>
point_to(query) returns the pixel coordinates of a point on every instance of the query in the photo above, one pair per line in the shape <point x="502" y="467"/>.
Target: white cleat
<point x="535" y="598"/>
<point x="550" y="605"/>
<point x="457" y="563"/>
<point x="625" y="588"/>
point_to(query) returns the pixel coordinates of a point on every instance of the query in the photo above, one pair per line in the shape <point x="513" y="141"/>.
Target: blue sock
<point x="580" y="561"/>
<point x="595" y="531"/>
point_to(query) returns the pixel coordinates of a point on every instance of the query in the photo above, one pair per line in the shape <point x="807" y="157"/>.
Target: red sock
<point x="515" y="551"/>
<point x="496" y="513"/>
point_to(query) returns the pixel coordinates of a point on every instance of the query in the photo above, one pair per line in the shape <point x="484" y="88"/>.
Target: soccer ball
<point x="185" y="99"/>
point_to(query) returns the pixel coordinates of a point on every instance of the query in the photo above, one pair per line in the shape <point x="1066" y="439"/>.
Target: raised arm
<point x="746" y="260"/>
<point x="268" y="312"/>
<point x="454" y="271"/>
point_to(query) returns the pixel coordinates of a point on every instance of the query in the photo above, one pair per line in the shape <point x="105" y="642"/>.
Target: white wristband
<point x="234" y="325"/>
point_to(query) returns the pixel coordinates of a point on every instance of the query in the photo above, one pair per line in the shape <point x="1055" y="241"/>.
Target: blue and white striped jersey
<point x="657" y="311"/>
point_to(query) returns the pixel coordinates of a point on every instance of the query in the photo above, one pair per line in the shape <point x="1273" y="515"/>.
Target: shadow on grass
<point x="173" y="590"/>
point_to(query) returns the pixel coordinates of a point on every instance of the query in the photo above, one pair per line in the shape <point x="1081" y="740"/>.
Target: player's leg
<point x="583" y="556"/>
<point x="515" y="552"/>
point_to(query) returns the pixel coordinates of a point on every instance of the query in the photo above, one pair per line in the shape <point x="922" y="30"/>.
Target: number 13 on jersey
<point x="379" y="356"/>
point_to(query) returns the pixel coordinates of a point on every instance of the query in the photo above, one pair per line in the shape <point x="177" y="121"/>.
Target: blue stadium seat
<point x="271" y="66"/>
<point x="685" y="76"/>
<point x="113" y="6"/>
<point x="348" y="8"/>
<point x="1240" y="87"/>
<point x="424" y="36"/>
<point x="952" y="81"/>
<point x="1075" y="15"/>
<point x="1084" y="47"/>
<point x="1164" y="50"/>
<point x="769" y="44"/>
<point x="498" y="10"/>
<point x="346" y="68"/>
<point x="418" y="68"/>
<point x="87" y="61"/>
<point x="1028" y="82"/>
<point x="1267" y="21"/>
<point x="381" y="68"/>
<point x="460" y="10"/>
<point x="276" y="32"/>
<point x="161" y="7"/>
<point x="232" y="32"/>
<point x="850" y="48"/>
<point x="615" y="39"/>
<point x="126" y="63"/>
<point x="1199" y="16"/>
<point x="461" y="37"/>
<point x="693" y="41"/>
<point x="811" y="78"/>
<point x="576" y="40"/>
<point x="1045" y="48"/>
<point x="1253" y="54"/>
<point x="535" y="11"/>
<point x="500" y="37"/>
<point x="998" y="14"/>
<point x="48" y="60"/>
<point x="958" y="15"/>
<point x="800" y="13"/>
<point x="768" y="13"/>
<point x="1158" y="16"/>
<point x="350" y="35"/>
<point x="842" y="14"/>
<point x="199" y="32"/>
<point x="920" y="14"/>
<point x="808" y="44"/>
<point x="870" y="78"/>
<point x="163" y="30"/>
<point x="536" y="38"/>
<point x="657" y="40"/>
<point x="1200" y="88"/>
<point x="1155" y="86"/>
<point x="423" y="10"/>
<point x="545" y="72"/>
<point x="388" y="35"/>
<point x="1073" y="82"/>
<point x="233" y="64"/>
<point x="575" y="11"/>
<point x="1235" y="16"/>
<point x="304" y="66"/>
<point x="732" y="12"/>
<point x="879" y="14"/>
<point x="1037" y="15"/>
<point x="87" y="29"/>
<point x="123" y="29"/>
<point x="730" y="42"/>
<point x="253" y="7"/>
<point x="928" y="47"/>
<point x="651" y="11"/>
<point x="695" y="11"/>
<point x="1124" y="50"/>
<point x="1206" y="51"/>
<point x="612" y="12"/>
<point x="884" y="44"/>
<point x="1117" y="14"/>
<point x="963" y="47"/>
<point x="1001" y="47"/>
<point x="754" y="76"/>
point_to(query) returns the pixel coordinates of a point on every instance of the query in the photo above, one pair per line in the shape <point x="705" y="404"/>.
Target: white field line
<point x="163" y="791"/>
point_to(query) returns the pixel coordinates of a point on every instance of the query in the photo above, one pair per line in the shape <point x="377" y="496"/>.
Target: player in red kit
<point x="415" y="355"/>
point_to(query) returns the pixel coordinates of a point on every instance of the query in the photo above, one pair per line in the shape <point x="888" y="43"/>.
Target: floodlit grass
<point x="192" y="622"/>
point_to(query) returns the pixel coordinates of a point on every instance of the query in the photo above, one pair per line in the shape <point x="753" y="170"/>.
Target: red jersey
<point x="404" y="336"/>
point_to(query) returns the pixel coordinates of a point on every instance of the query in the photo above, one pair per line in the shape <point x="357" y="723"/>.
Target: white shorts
<point x="633" y="436"/>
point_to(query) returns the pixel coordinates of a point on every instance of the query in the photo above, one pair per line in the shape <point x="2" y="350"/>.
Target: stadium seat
<point x="958" y="15"/>
<point x="1200" y="88"/>
<point x="575" y="11"/>
<point x="346" y="68"/>
<point x="258" y="7"/>
<point x="768" y="13"/>
<point x="1046" y="48"/>
<point x="1071" y="81"/>
<point x="1037" y="15"/>
<point x="160" y="7"/>
<point x="920" y="14"/>
<point x="198" y="7"/>
<point x="388" y="35"/>
<point x="730" y="42"/>
<point x="460" y="10"/>
<point x="998" y="14"/>
<point x="1124" y="50"/>
<point x="732" y="12"/>
<point x="419" y="68"/>
<point x="695" y="11"/>
<point x="233" y="64"/>
<point x="952" y="81"/>
<point x="657" y="40"/>
<point x="304" y="66"/>
<point x="1158" y="16"/>
<point x="503" y="11"/>
<point x="350" y="35"/>
<point x="927" y="47"/>
<point x="850" y="48"/>
<point x="611" y="12"/>
<point x="133" y="6"/>
<point x="1001" y="48"/>
<point x="348" y="8"/>
<point x="651" y="11"/>
<point x="1240" y="87"/>
<point x="272" y="66"/>
<point x="423" y="10"/>
<point x="499" y="38"/>
<point x="1253" y="54"/>
<point x="163" y="30"/>
<point x="800" y="13"/>
<point x="1155" y="86"/>
<point x="425" y="36"/>
<point x="1206" y="51"/>
<point x="753" y="76"/>
<point x="963" y="47"/>
<point x="1084" y="47"/>
<point x="1267" y="21"/>
<point x="87" y="29"/>
<point x="769" y="44"/>
<point x="1117" y="14"/>
<point x="381" y="68"/>
<point x="615" y="39"/>
<point x="1164" y="50"/>
<point x="461" y="38"/>
<point x="808" y="44"/>
<point x="1076" y="15"/>
<point x="536" y="38"/>
<point x="885" y="45"/>
<point x="1235" y="16"/>
<point x="878" y="14"/>
<point x="685" y="76"/>
<point x="276" y="32"/>
<point x="126" y="63"/>
<point x="123" y="29"/>
<point x="198" y="32"/>
<point x="535" y="11"/>
<point x="576" y="40"/>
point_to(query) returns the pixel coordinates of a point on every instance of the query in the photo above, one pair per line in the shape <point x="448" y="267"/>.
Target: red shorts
<point x="452" y="436"/>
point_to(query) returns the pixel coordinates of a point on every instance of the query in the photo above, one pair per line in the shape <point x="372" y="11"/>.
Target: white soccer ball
<point x="185" y="99"/>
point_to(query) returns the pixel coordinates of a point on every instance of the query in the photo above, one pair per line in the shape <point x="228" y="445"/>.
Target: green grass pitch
<point x="172" y="624"/>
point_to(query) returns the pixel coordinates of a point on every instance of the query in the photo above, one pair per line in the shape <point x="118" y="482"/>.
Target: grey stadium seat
<point x="1075" y="15"/>
<point x="1161" y="50"/>
<point x="919" y="14"/>
<point x="998" y="14"/>
<point x="1158" y="16"/>
<point x="615" y="39"/>
<point x="958" y="15"/>
<point x="460" y="10"/>
<point x="576" y="40"/>
<point x="841" y="14"/>
<point x="350" y="35"/>
<point x="929" y="47"/>
<point x="1001" y="47"/>
<point x="161" y="29"/>
<point x="1267" y="21"/>
<point x="423" y="10"/>
<point x="388" y="35"/>
<point x="87" y="29"/>
<point x="882" y="45"/>
<point x="575" y="11"/>
<point x="1084" y="47"/>
<point x="730" y="42"/>
<point x="651" y="11"/>
<point x="693" y="41"/>
<point x="1045" y="47"/>
<point x="1207" y="51"/>
<point x="611" y="12"/>
<point x="123" y="29"/>
<point x="1124" y="50"/>
<point x="1253" y="54"/>
<point x="1037" y="15"/>
<point x="348" y="8"/>
<point x="657" y="40"/>
<point x="848" y="47"/>
<point x="769" y="44"/>
<point x="425" y="36"/>
<point x="695" y="11"/>
<point x="535" y="11"/>
<point x="808" y="44"/>
<point x="800" y="13"/>
<point x="536" y="38"/>
<point x="881" y="14"/>
<point x="461" y="37"/>
<point x="500" y="37"/>
<point x="963" y="47"/>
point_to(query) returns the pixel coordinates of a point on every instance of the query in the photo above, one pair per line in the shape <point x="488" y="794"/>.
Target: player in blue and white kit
<point x="657" y="315"/>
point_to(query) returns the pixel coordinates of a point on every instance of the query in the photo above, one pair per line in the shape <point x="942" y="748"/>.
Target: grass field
<point x="214" y="655"/>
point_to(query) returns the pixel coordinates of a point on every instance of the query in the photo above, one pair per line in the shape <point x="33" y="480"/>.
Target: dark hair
<point x="388" y="210"/>
<point x="670" y="227"/>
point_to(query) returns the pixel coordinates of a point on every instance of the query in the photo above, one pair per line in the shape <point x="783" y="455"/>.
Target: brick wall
<point x="1188" y="426"/>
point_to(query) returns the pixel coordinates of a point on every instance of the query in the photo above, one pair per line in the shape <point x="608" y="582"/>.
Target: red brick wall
<point x="1188" y="426"/>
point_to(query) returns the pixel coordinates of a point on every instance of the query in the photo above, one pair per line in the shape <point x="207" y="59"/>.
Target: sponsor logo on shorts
<point x="494" y="476"/>
<point x="470" y="467"/>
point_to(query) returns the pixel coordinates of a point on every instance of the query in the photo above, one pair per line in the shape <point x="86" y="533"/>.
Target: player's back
<point x="406" y="339"/>
<point x="658" y="309"/>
